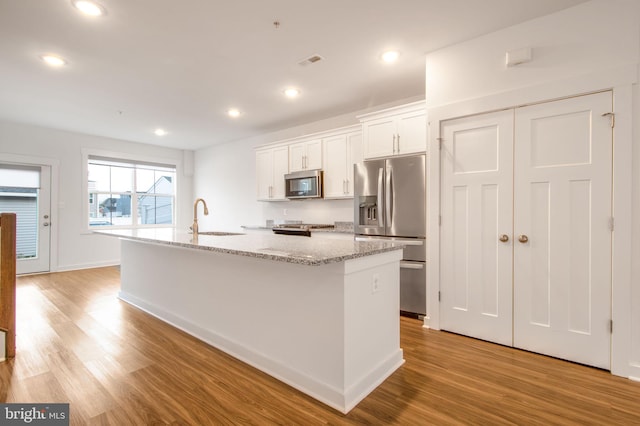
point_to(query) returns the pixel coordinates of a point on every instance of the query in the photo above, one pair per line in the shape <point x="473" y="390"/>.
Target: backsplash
<point x="307" y="211"/>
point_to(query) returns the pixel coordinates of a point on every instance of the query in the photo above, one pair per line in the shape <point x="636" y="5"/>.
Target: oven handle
<point x="405" y="241"/>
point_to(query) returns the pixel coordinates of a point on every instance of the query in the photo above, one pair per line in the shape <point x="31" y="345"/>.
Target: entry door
<point x="26" y="191"/>
<point x="562" y="252"/>
<point x="477" y="222"/>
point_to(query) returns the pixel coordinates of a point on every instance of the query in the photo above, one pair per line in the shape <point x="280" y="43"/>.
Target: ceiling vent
<point x="310" y="60"/>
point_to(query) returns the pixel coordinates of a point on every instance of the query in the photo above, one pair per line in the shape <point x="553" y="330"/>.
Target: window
<point x="130" y="194"/>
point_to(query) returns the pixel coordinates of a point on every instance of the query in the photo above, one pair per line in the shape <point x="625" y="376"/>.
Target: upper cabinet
<point x="305" y="155"/>
<point x="395" y="131"/>
<point x="334" y="151"/>
<point x="341" y="151"/>
<point x="271" y="166"/>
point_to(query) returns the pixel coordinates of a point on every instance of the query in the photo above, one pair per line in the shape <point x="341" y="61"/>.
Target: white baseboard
<point x="92" y="265"/>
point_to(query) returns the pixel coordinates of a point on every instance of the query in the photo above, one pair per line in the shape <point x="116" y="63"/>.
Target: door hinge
<point x="439" y="220"/>
<point x="612" y="118"/>
<point x="440" y="143"/>
<point x="612" y="224"/>
<point x="611" y="326"/>
<point x="438" y="296"/>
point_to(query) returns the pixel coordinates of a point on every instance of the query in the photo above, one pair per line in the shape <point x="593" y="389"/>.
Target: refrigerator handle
<point x="389" y="200"/>
<point x="380" y="194"/>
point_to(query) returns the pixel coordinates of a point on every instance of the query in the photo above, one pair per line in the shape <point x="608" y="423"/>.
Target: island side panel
<point x="372" y="323"/>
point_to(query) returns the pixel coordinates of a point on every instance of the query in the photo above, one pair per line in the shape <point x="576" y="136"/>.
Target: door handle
<point x="504" y="238"/>
<point x="380" y="200"/>
<point x="389" y="198"/>
<point x="523" y="239"/>
<point x="45" y="224"/>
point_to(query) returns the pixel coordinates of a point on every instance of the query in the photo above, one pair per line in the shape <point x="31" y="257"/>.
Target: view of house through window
<point x="130" y="194"/>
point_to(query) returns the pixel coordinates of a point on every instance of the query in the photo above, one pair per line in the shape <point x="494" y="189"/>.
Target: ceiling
<point x="180" y="65"/>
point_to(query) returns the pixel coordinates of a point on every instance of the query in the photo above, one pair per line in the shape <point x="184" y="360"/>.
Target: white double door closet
<point x="527" y="225"/>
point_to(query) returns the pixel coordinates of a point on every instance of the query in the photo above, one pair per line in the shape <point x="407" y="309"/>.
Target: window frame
<point x="135" y="162"/>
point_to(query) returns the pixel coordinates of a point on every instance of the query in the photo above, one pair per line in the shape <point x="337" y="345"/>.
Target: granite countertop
<point x="283" y="248"/>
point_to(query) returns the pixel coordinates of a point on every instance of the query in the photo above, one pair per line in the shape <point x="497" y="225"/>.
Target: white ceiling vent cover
<point x="310" y="60"/>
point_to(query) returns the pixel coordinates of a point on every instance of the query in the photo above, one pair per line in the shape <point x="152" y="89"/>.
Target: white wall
<point x="225" y="177"/>
<point x="75" y="247"/>
<point x="590" y="47"/>
<point x="595" y="36"/>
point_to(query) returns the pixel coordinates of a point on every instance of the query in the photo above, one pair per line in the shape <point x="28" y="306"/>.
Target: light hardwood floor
<point x="116" y="365"/>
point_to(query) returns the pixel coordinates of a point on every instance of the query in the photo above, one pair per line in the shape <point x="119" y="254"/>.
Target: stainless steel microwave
<point x="305" y="184"/>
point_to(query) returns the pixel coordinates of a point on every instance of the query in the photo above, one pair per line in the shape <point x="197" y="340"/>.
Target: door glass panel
<point x="23" y="202"/>
<point x="24" y="190"/>
<point x="19" y="194"/>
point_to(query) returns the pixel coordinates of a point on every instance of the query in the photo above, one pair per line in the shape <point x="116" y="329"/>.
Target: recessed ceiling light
<point x="90" y="8"/>
<point x="233" y="112"/>
<point x="292" y="92"/>
<point x="53" y="60"/>
<point x="391" y="56"/>
<point x="160" y="132"/>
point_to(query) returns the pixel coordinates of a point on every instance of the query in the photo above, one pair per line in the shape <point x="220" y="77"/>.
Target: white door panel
<point x="476" y="284"/>
<point x="562" y="275"/>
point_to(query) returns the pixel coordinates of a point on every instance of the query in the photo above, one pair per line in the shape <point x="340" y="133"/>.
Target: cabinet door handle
<point x="504" y="238"/>
<point x="523" y="239"/>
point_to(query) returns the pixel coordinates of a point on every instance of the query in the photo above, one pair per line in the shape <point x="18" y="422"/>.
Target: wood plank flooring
<point x="116" y="365"/>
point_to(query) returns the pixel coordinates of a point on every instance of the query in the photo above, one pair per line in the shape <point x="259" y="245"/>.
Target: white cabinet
<point x="341" y="151"/>
<point x="271" y="166"/>
<point x="305" y="155"/>
<point x="395" y="131"/>
<point x="334" y="151"/>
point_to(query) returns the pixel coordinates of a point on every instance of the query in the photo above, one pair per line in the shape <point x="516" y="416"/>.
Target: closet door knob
<point x="523" y="238"/>
<point x="504" y="238"/>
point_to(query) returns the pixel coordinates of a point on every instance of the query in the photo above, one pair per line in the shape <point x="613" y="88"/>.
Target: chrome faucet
<point x="194" y="227"/>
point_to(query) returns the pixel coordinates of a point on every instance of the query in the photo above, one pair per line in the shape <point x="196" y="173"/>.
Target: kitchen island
<point x="320" y="315"/>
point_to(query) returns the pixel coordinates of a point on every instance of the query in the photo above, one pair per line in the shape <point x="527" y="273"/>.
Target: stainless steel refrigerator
<point x="390" y="204"/>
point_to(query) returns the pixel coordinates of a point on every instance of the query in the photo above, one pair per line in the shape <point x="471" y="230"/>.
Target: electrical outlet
<point x="284" y="212"/>
<point x="375" y="283"/>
